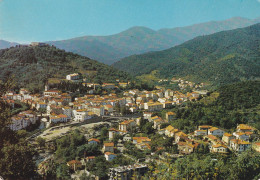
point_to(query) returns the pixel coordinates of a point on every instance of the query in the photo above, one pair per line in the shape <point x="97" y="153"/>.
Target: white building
<point x="74" y="76"/>
<point x="58" y="118"/>
<point x="23" y="120"/>
<point x="110" y="156"/>
<point x="239" y="145"/>
<point x="41" y="105"/>
<point x="216" y="131"/>
<point x="51" y="92"/>
<point x="67" y="111"/>
<point x="241" y="136"/>
<point x="81" y="115"/>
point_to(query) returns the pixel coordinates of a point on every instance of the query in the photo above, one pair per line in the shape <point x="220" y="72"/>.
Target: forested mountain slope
<point x="32" y="66"/>
<point x="237" y="103"/>
<point x="137" y="40"/>
<point x="220" y="58"/>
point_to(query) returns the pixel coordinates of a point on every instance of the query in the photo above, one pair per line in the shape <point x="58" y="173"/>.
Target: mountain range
<point x="220" y="58"/>
<point x="138" y="40"/>
<point x="5" y="44"/>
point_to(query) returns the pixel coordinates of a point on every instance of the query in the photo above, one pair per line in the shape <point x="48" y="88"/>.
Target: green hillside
<point x="220" y="58"/>
<point x="32" y="66"/>
<point x="138" y="40"/>
<point x="235" y="104"/>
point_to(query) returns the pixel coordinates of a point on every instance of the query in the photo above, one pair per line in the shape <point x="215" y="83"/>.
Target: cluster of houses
<point x="126" y="172"/>
<point x="217" y="139"/>
<point x="220" y="141"/>
<point x="76" y="77"/>
<point x="124" y="128"/>
<point x="59" y="107"/>
<point x="46" y="104"/>
<point x="156" y="100"/>
<point x="23" y="120"/>
<point x="110" y="150"/>
<point x="184" y="84"/>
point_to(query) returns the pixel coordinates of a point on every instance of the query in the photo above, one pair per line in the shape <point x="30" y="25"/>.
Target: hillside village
<point x="122" y="127"/>
<point x="59" y="107"/>
<point x="130" y="90"/>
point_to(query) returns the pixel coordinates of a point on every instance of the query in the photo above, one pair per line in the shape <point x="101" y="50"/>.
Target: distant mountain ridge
<point x="5" y="44"/>
<point x="138" y="40"/>
<point x="221" y="58"/>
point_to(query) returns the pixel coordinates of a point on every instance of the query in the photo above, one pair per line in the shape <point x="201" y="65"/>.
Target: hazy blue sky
<point x="43" y="20"/>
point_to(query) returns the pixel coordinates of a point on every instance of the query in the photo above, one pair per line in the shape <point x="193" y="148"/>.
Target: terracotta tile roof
<point x="201" y="130"/>
<point x="56" y="91"/>
<point x="227" y="134"/>
<point x="212" y="137"/>
<point x="240" y="133"/>
<point x="213" y="129"/>
<point x="238" y="141"/>
<point x="112" y="129"/>
<point x="169" y="128"/>
<point x="62" y="116"/>
<point x="248" y="133"/>
<point x="109" y="144"/>
<point x="244" y="127"/>
<point x="205" y="126"/>
<point x="181" y="134"/>
<point x="92" y="139"/>
<point x="257" y="143"/>
<point x="219" y="145"/>
<point x="126" y="122"/>
<point x="109" y="153"/>
<point x="141" y="139"/>
<point x="90" y="157"/>
<point x="171" y="113"/>
<point x="108" y="106"/>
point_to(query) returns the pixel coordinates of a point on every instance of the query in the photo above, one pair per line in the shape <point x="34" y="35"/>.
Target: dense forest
<point x="237" y="103"/>
<point x="33" y="66"/>
<point x="209" y="166"/>
<point x="220" y="58"/>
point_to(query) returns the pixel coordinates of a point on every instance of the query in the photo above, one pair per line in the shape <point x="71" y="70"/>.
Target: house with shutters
<point x="187" y="147"/>
<point x="216" y="131"/>
<point x="227" y="137"/>
<point x="170" y="116"/>
<point x="93" y="141"/>
<point x="245" y="128"/>
<point x="110" y="156"/>
<point x="126" y="125"/>
<point x="241" y="136"/>
<point x="239" y="145"/>
<point x="219" y="148"/>
<point x="108" y="147"/>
